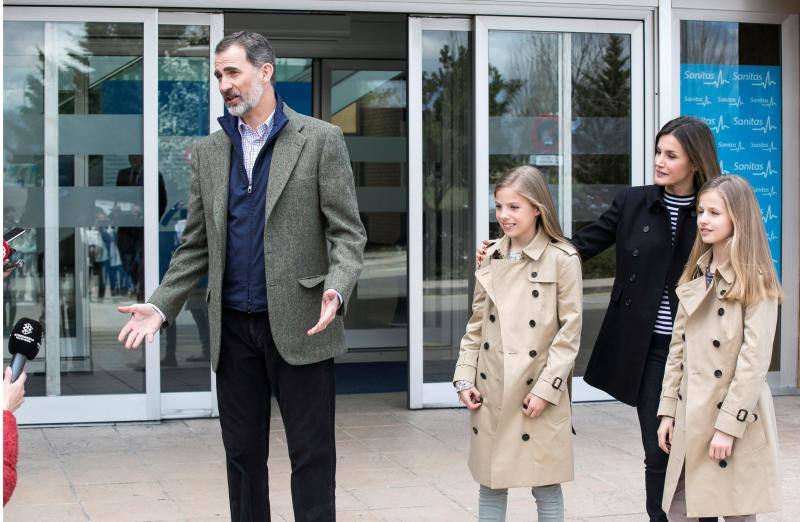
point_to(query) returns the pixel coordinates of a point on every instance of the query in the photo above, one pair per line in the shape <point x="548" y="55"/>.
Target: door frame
<point x="422" y="394"/>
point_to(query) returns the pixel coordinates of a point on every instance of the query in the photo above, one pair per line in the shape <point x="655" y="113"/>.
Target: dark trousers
<point x="655" y="460"/>
<point x="250" y="371"/>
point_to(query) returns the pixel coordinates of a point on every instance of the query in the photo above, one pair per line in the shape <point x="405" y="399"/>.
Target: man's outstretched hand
<point x="327" y="311"/>
<point x="143" y="324"/>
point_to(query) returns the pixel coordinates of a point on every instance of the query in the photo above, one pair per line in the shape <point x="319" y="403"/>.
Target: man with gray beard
<point x="273" y="221"/>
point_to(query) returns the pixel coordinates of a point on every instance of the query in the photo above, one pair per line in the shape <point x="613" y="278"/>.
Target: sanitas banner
<point x="742" y="105"/>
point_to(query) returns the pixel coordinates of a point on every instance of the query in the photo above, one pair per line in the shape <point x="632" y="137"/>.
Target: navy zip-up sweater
<point x="244" y="284"/>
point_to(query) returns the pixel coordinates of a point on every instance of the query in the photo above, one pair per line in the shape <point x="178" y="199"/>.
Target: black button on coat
<point x="620" y="351"/>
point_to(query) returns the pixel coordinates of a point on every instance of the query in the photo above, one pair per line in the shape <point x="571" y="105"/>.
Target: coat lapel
<point x="484" y="272"/>
<point x="484" y="277"/>
<point x="692" y="294"/>
<point x="287" y="150"/>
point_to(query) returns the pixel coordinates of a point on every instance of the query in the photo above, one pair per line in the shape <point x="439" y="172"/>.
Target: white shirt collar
<point x="261" y="128"/>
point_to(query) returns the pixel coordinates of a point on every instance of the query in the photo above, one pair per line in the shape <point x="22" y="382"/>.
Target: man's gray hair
<point x="255" y="45"/>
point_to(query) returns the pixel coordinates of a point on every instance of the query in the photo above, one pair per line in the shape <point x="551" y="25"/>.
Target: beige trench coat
<point x="715" y="379"/>
<point x="523" y="337"/>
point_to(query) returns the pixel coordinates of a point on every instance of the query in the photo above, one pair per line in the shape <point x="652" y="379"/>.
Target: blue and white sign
<point x="742" y="105"/>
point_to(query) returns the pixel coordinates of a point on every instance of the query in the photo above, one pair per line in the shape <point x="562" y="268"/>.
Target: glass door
<point x="566" y="96"/>
<point x="188" y="106"/>
<point x="81" y="175"/>
<point x="367" y="100"/>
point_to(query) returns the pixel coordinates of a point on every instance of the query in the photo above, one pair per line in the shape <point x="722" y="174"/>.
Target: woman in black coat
<point x="653" y="228"/>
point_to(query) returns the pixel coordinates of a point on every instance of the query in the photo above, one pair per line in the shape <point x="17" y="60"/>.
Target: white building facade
<point x="103" y="102"/>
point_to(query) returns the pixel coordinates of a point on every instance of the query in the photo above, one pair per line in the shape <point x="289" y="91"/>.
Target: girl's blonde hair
<point x="754" y="273"/>
<point x="530" y="184"/>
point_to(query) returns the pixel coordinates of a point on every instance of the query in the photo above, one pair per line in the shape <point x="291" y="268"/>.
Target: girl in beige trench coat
<point x="717" y="417"/>
<point x="517" y="355"/>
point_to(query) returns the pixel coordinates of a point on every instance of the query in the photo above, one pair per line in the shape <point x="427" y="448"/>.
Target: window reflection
<point x="448" y="181"/>
<point x="183" y="118"/>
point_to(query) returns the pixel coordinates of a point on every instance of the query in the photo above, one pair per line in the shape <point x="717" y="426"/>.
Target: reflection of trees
<point x="183" y="107"/>
<point x="601" y="99"/>
<point x="528" y="89"/>
<point x="447" y="163"/>
<point x="534" y="60"/>
<point x="24" y="129"/>
<point x="709" y="42"/>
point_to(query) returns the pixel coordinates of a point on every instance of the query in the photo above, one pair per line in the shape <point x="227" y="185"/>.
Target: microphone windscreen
<point x="25" y="338"/>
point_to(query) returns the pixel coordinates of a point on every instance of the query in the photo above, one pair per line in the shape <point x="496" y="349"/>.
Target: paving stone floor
<point x="393" y="464"/>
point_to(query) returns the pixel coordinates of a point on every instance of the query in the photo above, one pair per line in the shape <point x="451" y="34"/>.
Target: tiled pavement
<point x="393" y="464"/>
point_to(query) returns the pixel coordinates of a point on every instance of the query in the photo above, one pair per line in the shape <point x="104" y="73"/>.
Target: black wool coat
<point x="638" y="222"/>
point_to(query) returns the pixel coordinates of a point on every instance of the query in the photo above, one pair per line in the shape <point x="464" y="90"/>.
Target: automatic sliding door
<point x="565" y="96"/>
<point x="77" y="166"/>
<point x="367" y="100"/>
<point x="187" y="110"/>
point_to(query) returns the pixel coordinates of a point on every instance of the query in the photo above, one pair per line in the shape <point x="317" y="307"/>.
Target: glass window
<point x="183" y="118"/>
<point x="293" y="78"/>
<point x="601" y="158"/>
<point x="528" y="94"/>
<point x="448" y="195"/>
<point x="368" y="102"/>
<point x="97" y="247"/>
<point x="731" y="78"/>
<point x="23" y="179"/>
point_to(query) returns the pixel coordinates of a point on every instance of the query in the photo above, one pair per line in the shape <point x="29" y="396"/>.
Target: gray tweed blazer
<point x="313" y="238"/>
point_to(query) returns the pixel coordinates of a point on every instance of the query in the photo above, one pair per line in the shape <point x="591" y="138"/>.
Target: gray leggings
<point x="549" y="504"/>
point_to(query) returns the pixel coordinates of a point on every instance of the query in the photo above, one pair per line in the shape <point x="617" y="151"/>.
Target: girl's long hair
<point x="754" y="273"/>
<point x="697" y="140"/>
<point x="530" y="184"/>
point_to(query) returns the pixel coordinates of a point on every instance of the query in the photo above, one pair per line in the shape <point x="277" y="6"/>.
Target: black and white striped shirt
<point x="663" y="324"/>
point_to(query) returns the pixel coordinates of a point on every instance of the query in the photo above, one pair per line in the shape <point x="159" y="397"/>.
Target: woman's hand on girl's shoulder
<point x="471" y="398"/>
<point x="533" y="405"/>
<point x="480" y="253"/>
<point x="721" y="446"/>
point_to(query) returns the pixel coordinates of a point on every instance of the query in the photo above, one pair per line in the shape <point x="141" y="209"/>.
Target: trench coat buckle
<point x="741" y="416"/>
<point x="557" y="383"/>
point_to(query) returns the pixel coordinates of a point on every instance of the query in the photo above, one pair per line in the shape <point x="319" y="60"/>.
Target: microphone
<point x="7" y="251"/>
<point x="26" y="337"/>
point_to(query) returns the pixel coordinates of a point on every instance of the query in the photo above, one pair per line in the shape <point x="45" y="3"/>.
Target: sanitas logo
<point x="752" y="166"/>
<point x="735" y="147"/>
<point x="716" y="125"/>
<point x="740" y="122"/>
<point x="766" y="191"/>
<point x="698" y="75"/>
<point x="750" y="76"/>
<point x="718" y="81"/>
<point x="697" y="100"/>
<point x="731" y="101"/>
<point x="766" y="82"/>
<point x="768" y="215"/>
<point x="766" y="147"/>
<point x="766" y="172"/>
<point x="766" y="127"/>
